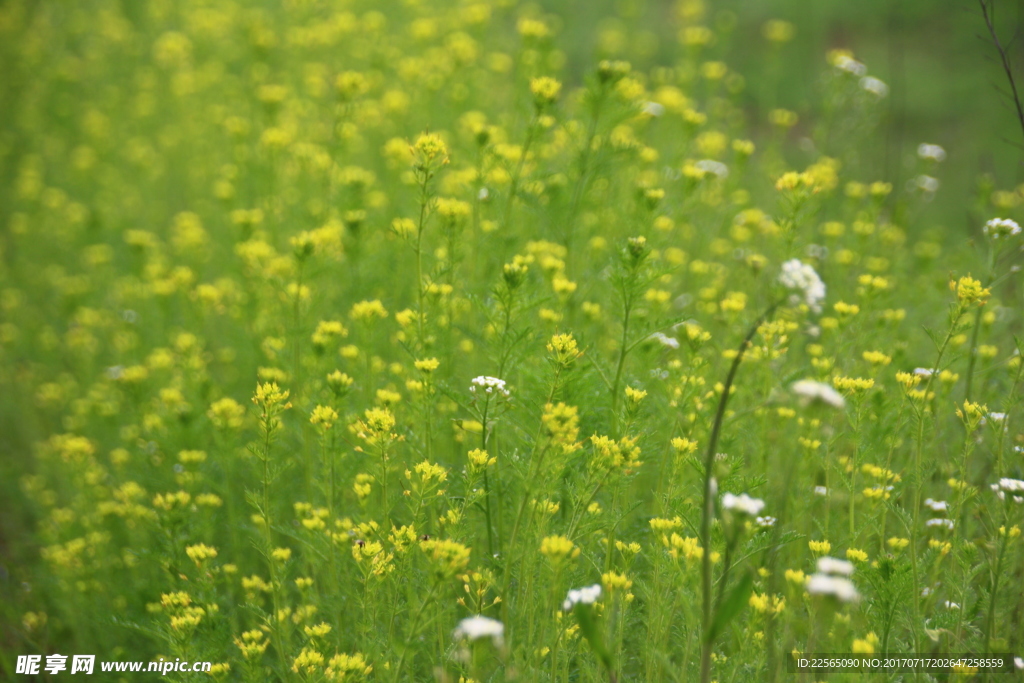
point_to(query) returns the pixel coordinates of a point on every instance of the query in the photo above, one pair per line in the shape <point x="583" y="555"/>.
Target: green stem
<point x="708" y="504"/>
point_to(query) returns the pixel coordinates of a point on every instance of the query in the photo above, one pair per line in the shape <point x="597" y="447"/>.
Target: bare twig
<point x="988" y="12"/>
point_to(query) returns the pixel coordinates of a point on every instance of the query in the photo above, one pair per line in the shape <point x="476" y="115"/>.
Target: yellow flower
<point x="323" y="417"/>
<point x="563" y="349"/>
<point x="545" y="89"/>
<point x="558" y="549"/>
<point x="969" y="291"/>
<point x="856" y="555"/>
<point x="427" y="365"/>
<point x="819" y="547"/>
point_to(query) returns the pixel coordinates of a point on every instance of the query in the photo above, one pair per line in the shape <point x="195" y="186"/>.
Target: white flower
<point x="952" y="605"/>
<point x="850" y="65"/>
<point x="936" y="505"/>
<point x="473" y="628"/>
<point x="874" y="86"/>
<point x="810" y="391"/>
<point x="742" y="503"/>
<point x="582" y="596"/>
<point x="802" y="277"/>
<point x="939" y="522"/>
<point x="931" y="152"/>
<point x="837" y="586"/>
<point x="712" y="166"/>
<point x="820" y="491"/>
<point x="653" y="109"/>
<point x="1011" y="485"/>
<point x="482" y="194"/>
<point x="490" y="385"/>
<point x="1001" y="227"/>
<point x="924" y="372"/>
<point x="926" y="183"/>
<point x="765" y="522"/>
<point x="830" y="565"/>
<point x="670" y="342"/>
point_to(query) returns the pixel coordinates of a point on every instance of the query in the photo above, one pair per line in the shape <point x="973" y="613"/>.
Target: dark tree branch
<point x="988" y="12"/>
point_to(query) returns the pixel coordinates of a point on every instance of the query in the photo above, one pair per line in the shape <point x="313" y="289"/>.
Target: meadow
<point x="454" y="341"/>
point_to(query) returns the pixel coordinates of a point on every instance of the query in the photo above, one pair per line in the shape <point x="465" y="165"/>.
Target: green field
<point x="352" y="340"/>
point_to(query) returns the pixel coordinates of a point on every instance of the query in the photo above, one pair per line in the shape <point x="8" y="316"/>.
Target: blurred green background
<point x="946" y="85"/>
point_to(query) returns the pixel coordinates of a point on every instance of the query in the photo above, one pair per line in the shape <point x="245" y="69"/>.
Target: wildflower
<point x="564" y="350"/>
<point x="852" y="384"/>
<point x="819" y="547"/>
<point x="561" y="425"/>
<point x="429" y="153"/>
<point x="936" y="505"/>
<point x="931" y="152"/>
<point x="476" y="627"/>
<point x="323" y="417"/>
<point x="427" y="365"/>
<point x="820" y="491"/>
<point x="479" y="459"/>
<point x="765" y="522"/>
<point x="874" y="86"/>
<point x="997" y="228"/>
<point x="939" y="523"/>
<point x="340" y="665"/>
<point x="200" y="553"/>
<point x="558" y="549"/>
<point x="830" y="565"/>
<point x="742" y="504"/>
<point x="582" y="596"/>
<point x="767" y="603"/>
<point x="811" y="392"/>
<point x="614" y="581"/>
<point x="845" y="62"/>
<point x="969" y="291"/>
<point x="490" y="385"/>
<point x="664" y="340"/>
<point x="713" y="167"/>
<point x="856" y="555"/>
<point x="367" y="311"/>
<point x="545" y="89"/>
<point x="897" y="543"/>
<point x="802" y="277"/>
<point x="834" y="586"/>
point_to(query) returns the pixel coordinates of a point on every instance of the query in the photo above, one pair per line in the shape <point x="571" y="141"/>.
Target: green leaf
<point x="592" y="632"/>
<point x="733" y="603"/>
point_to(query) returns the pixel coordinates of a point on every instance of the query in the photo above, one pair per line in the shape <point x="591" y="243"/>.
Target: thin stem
<point x="987" y="12"/>
<point x="708" y="507"/>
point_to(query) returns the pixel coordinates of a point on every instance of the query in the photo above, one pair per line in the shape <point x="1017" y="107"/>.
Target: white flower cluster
<point x="473" y="628"/>
<point x="851" y="66"/>
<point x="711" y="166"/>
<point x="831" y="580"/>
<point x="830" y="565"/>
<point x="874" y="86"/>
<point x="490" y="385"/>
<point x="665" y="340"/>
<point x="742" y="503"/>
<point x="1007" y="485"/>
<point x="931" y="152"/>
<point x="936" y="505"/>
<point x="810" y="391"/>
<point x="1001" y="227"/>
<point x="802" y="277"/>
<point x="940" y="522"/>
<point x="765" y="522"/>
<point x="582" y="596"/>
